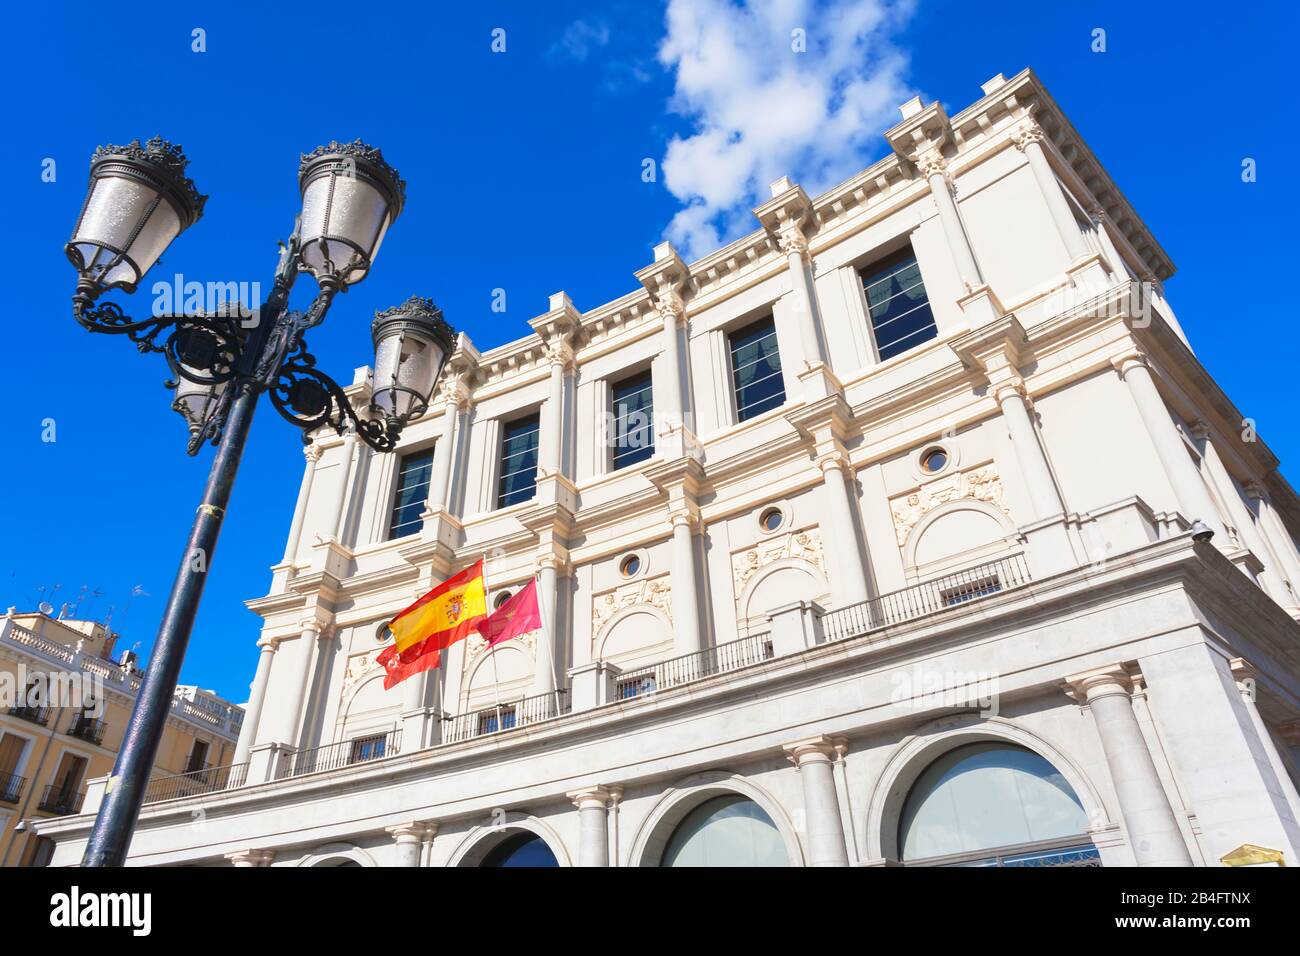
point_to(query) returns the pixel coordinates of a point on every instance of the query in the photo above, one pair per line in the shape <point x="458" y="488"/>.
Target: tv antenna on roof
<point x="46" y="608"/>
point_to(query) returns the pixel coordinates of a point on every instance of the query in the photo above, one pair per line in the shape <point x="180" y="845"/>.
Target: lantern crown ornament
<point x="412" y="342"/>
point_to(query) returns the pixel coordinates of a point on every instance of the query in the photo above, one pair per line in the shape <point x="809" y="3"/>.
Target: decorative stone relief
<point x="981" y="484"/>
<point x="476" y="644"/>
<point x="805" y="545"/>
<point x="358" y="666"/>
<point x="652" y="592"/>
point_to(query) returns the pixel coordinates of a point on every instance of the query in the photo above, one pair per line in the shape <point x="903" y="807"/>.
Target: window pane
<point x="984" y="797"/>
<point x="633" y="411"/>
<point x="756" y="370"/>
<point x="899" y="308"/>
<point x="726" y="831"/>
<point x="518" y="461"/>
<point x="412" y="491"/>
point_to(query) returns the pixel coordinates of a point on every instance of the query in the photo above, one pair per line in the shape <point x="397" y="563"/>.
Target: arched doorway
<point x="994" y="804"/>
<point x="729" y="830"/>
<point x="522" y="849"/>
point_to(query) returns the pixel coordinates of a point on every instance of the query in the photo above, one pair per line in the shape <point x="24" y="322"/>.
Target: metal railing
<point x="37" y="715"/>
<point x="344" y="753"/>
<point x="89" y="729"/>
<point x="506" y="715"/>
<point x="175" y="786"/>
<point x="11" y="787"/>
<point x="61" y="800"/>
<point x="751" y="649"/>
<point x="927" y="597"/>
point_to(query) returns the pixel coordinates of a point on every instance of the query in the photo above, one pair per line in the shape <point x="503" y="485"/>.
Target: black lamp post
<point x="138" y="201"/>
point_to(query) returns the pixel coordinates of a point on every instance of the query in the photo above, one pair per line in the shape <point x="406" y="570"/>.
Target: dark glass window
<point x="412" y="490"/>
<point x="756" y="369"/>
<point x="900" y="311"/>
<point x="518" y="461"/>
<point x="368" y="748"/>
<point x="633" y="409"/>
<point x="520" y="850"/>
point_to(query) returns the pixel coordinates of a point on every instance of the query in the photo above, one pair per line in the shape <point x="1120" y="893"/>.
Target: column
<point x="1189" y="489"/>
<point x="410" y="839"/>
<point x="340" y="505"/>
<point x="440" y="480"/>
<point x="251" y="858"/>
<point x="686" y="604"/>
<point x="548" y="583"/>
<point x="256" y="700"/>
<point x="1248" y="684"/>
<point x="1273" y="528"/>
<point x="593" y="825"/>
<point x="561" y="359"/>
<point x="824" y="828"/>
<point x="1029" y="140"/>
<point x="795" y="246"/>
<point x="935" y="170"/>
<point x="669" y="407"/>
<point x="312" y="454"/>
<point x="1153" y="831"/>
<point x="1041" y="485"/>
<point x="291" y="712"/>
<point x="848" y="559"/>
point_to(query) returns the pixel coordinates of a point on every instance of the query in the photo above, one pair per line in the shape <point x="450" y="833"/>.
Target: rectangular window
<point x="413" y="474"/>
<point x="633" y="411"/>
<point x="368" y="748"/>
<point x="198" y="757"/>
<point x="756" y="369"/>
<point x="500" y="718"/>
<point x="951" y="597"/>
<point x="900" y="311"/>
<point x="518" y="461"/>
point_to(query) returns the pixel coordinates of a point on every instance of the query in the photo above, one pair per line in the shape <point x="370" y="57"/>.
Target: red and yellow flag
<point x="442" y="617"/>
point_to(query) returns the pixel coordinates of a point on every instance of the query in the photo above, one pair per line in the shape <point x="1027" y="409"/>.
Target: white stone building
<point x="913" y="565"/>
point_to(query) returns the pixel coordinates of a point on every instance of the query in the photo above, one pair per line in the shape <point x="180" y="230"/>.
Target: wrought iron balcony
<point x="174" y="786"/>
<point x="61" y="800"/>
<point x="928" y="597"/>
<point x="89" y="729"/>
<point x="506" y="715"/>
<point x="733" y="655"/>
<point x="37" y="715"/>
<point x="345" y="753"/>
<point x="11" y="787"/>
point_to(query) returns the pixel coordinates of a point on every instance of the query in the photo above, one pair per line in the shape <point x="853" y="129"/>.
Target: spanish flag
<point x="442" y="617"/>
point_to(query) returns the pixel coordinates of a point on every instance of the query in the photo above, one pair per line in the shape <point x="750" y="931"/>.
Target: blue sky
<point x="524" y="173"/>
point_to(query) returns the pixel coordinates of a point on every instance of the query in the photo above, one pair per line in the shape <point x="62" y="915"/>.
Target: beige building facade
<point x="907" y="529"/>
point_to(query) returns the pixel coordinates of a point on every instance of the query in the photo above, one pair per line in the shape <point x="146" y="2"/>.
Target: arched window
<point x="522" y="849"/>
<point x="994" y="804"/>
<point x="726" y="831"/>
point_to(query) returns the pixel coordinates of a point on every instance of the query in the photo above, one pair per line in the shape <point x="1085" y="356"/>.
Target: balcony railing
<point x="345" y="753"/>
<point x="61" y="800"/>
<point x="675" y="671"/>
<point x="174" y="786"/>
<point x="11" y="787"/>
<point x="928" y="597"/>
<point x="505" y="716"/>
<point x="88" y="729"/>
<point x="37" y="715"/>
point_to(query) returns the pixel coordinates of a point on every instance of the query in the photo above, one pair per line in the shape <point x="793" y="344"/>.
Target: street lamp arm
<point x="308" y="398"/>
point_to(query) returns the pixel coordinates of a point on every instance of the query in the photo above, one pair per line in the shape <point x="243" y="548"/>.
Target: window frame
<point x="739" y="411"/>
<point x="902" y="254"/>
<point x="392" y="525"/>
<point x="612" y="455"/>
<point x="501" y="473"/>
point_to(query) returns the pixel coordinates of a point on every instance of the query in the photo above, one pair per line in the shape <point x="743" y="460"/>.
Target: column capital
<point x="1012" y="386"/>
<point x="251" y="857"/>
<point x="791" y="239"/>
<point x="413" y="832"/>
<point x="1028" y="132"/>
<point x="601" y="797"/>
<point x="317" y="624"/>
<point x="1255" y="489"/>
<point x="836" y="460"/>
<point x="1243" y="670"/>
<point x="555" y="562"/>
<point x="560" y="352"/>
<point x="819" y="749"/>
<point x="1113" y="679"/>
<point x="689" y="517"/>
<point x="1125" y="362"/>
<point x="271" y="644"/>
<point x="456" y="393"/>
<point x="670" y="305"/>
<point x="930" y="163"/>
<point x="311" y="452"/>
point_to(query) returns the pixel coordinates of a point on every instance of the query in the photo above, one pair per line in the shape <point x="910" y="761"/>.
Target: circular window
<point x="501" y="599"/>
<point x="934" y="460"/>
<point x="630" y="566"/>
<point x="383" y="634"/>
<point x="771" y="519"/>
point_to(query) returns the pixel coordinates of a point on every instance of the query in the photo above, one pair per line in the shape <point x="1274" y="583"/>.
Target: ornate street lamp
<point x="139" y="200"/>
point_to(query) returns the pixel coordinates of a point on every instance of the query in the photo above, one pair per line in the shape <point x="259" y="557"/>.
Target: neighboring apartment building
<point x="943" y="548"/>
<point x="66" y="721"/>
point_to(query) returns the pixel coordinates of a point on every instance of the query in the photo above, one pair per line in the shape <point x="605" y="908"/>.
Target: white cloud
<point x="762" y="111"/>
<point x="579" y="39"/>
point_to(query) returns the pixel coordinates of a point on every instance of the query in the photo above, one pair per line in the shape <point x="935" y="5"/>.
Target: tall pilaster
<point x="1192" y="496"/>
<point x="291" y="712"/>
<point x="683" y="481"/>
<point x="667" y="280"/>
<point x="814" y="757"/>
<point x="1153" y="832"/>
<point x="312" y="454"/>
<point x="1274" y="528"/>
<point x="1248" y="680"/>
<point x="256" y="701"/>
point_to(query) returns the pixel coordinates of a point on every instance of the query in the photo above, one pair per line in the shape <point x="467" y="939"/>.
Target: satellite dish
<point x="46" y="608"/>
